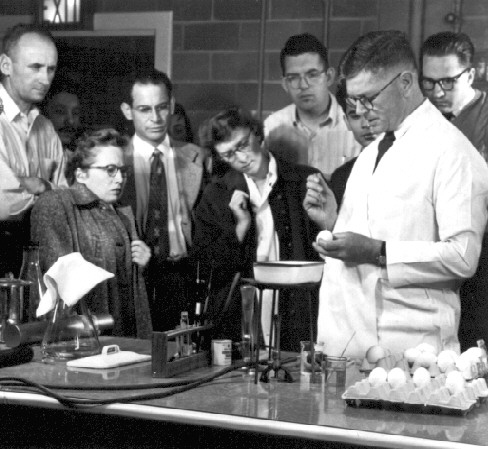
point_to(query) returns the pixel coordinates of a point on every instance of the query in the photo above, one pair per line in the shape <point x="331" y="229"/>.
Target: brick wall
<point x="216" y="42"/>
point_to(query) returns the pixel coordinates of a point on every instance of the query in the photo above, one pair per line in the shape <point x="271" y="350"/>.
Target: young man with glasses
<point x="410" y="226"/>
<point x="447" y="81"/>
<point x="448" y="76"/>
<point x="254" y="213"/>
<point x="312" y="130"/>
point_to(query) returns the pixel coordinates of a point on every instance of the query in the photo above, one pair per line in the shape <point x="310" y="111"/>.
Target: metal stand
<point x="274" y="356"/>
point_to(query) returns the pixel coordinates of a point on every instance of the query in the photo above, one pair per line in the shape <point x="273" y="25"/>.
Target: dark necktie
<point x="448" y="115"/>
<point x="383" y="146"/>
<point x="157" y="213"/>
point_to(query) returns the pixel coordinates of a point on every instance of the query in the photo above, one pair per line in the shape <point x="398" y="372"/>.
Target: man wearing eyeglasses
<point x="447" y="81"/>
<point x="410" y="226"/>
<point x="163" y="189"/>
<point x="312" y="130"/>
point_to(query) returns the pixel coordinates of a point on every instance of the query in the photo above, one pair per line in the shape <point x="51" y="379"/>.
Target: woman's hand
<point x="320" y="203"/>
<point x="239" y="205"/>
<point x="140" y="253"/>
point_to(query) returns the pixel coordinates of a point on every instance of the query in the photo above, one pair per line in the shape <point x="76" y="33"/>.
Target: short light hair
<point x="377" y="51"/>
<point x="13" y="35"/>
<point x="448" y="43"/>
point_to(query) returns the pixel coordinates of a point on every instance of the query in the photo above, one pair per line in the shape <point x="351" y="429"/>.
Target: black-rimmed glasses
<point x="367" y="102"/>
<point x="243" y="146"/>
<point x="112" y="169"/>
<point x="446" y="83"/>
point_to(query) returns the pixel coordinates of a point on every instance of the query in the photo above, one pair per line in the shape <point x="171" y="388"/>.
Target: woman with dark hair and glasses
<point x="86" y="218"/>
<point x="254" y="212"/>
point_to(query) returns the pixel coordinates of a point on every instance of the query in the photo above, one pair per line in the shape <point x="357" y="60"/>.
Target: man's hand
<point x="320" y="203"/>
<point x="140" y="253"/>
<point x="34" y="186"/>
<point x="350" y="247"/>
<point x="239" y="205"/>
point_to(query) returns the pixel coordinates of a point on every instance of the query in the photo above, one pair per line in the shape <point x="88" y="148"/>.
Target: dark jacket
<point x="216" y="245"/>
<point x="75" y="220"/>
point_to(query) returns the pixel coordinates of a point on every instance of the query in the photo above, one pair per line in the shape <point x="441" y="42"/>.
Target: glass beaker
<point x="248" y="333"/>
<point x="70" y="333"/>
<point x="31" y="272"/>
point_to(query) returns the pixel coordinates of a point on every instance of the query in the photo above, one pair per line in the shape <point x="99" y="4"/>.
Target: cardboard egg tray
<point x="432" y="398"/>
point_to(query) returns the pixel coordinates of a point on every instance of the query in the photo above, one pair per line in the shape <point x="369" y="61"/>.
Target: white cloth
<point x="143" y="152"/>
<point x="428" y="200"/>
<point x="71" y="277"/>
<point x="268" y="247"/>
<point x="38" y="153"/>
<point x="328" y="148"/>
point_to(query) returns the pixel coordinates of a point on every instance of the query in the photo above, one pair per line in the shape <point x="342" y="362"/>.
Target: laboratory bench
<point x="229" y="411"/>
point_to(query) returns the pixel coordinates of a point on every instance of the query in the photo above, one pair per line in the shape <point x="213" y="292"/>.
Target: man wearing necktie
<point x="410" y="226"/>
<point x="163" y="189"/>
<point x="447" y="81"/>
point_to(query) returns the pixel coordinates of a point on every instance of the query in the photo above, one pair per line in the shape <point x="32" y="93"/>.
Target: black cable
<point x="74" y="402"/>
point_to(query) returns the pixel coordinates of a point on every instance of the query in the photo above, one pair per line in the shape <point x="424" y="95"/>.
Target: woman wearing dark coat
<point x="253" y="212"/>
<point x="87" y="218"/>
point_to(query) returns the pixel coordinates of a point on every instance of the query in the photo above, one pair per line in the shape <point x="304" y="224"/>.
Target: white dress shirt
<point x="143" y="152"/>
<point x="268" y="247"/>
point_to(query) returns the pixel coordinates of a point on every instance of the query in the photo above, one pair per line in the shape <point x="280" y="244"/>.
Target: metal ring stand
<point x="274" y="355"/>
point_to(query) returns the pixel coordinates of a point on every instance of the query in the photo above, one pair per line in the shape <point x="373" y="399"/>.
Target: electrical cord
<point x="76" y="402"/>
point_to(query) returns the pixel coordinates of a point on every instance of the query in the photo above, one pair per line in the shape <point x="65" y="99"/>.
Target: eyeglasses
<point x="243" y="146"/>
<point x="112" y="169"/>
<point x="312" y="77"/>
<point x="367" y="102"/>
<point x="444" y="83"/>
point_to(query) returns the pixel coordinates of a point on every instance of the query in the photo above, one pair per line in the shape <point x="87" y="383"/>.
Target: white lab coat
<point x="428" y="200"/>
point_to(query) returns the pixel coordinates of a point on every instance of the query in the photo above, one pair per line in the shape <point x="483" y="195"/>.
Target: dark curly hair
<point x="86" y="149"/>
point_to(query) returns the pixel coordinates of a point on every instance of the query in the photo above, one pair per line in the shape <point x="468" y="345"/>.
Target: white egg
<point x="411" y="354"/>
<point x="455" y="382"/>
<point x="425" y="359"/>
<point x="426" y="347"/>
<point x="377" y="377"/>
<point x="446" y="358"/>
<point x="374" y="353"/>
<point x="324" y="235"/>
<point x="396" y="377"/>
<point x="421" y="377"/>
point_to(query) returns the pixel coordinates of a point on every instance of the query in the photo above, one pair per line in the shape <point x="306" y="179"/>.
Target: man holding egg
<point x="410" y="227"/>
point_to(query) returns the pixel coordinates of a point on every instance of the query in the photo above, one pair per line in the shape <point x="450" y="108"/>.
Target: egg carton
<point x="431" y="398"/>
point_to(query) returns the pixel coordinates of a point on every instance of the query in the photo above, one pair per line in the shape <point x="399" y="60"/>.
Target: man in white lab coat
<point x="412" y="220"/>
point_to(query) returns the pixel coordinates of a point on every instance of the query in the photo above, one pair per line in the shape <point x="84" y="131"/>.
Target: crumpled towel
<point x="71" y="277"/>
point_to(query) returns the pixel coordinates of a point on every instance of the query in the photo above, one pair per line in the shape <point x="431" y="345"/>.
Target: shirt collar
<point x="146" y="149"/>
<point x="11" y="109"/>
<point x="272" y="175"/>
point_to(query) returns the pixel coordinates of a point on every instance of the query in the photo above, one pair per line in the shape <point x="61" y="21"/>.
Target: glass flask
<point x="70" y="333"/>
<point x="30" y="271"/>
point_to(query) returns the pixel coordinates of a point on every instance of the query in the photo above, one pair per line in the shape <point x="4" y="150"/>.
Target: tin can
<point x="221" y="352"/>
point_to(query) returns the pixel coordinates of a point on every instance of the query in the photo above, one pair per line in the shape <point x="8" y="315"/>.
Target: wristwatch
<point x="381" y="257"/>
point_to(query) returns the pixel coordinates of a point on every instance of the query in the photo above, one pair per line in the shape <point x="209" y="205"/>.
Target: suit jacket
<point x="191" y="164"/>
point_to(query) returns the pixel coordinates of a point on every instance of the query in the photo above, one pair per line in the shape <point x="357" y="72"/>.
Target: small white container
<point x="221" y="352"/>
<point x="288" y="272"/>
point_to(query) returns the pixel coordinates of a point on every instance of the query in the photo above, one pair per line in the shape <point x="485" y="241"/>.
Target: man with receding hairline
<point x="410" y="226"/>
<point x="31" y="154"/>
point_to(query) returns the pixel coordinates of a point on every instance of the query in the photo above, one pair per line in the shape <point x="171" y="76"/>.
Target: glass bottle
<point x="70" y="333"/>
<point x="30" y="271"/>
